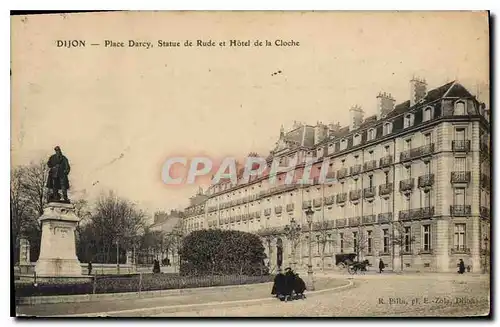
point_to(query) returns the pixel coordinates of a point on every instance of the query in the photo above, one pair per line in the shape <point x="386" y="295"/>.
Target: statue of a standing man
<point x="58" y="177"/>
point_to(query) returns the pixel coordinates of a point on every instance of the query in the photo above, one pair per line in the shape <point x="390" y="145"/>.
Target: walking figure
<point x="381" y="266"/>
<point x="461" y="267"/>
<point x="89" y="267"/>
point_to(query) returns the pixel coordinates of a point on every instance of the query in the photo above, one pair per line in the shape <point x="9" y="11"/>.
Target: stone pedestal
<point x="57" y="249"/>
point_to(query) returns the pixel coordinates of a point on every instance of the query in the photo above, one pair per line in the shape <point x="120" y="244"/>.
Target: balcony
<point x="238" y="218"/>
<point x="406" y="185"/>
<point x="418" y="213"/>
<point x="341" y="197"/>
<point x="278" y="210"/>
<point x="426" y="181"/>
<point x="485" y="182"/>
<point x="342" y="173"/>
<point x="460" y="210"/>
<point x="317" y="202"/>
<point x="385" y="189"/>
<point x="329" y="200"/>
<point x="369" y="192"/>
<point x="355" y="170"/>
<point x="460" y="146"/>
<point x="330" y="175"/>
<point x="340" y="222"/>
<point x="484" y="212"/>
<point x="354" y="195"/>
<point x="354" y="221"/>
<point x="232" y="219"/>
<point x="369" y="219"/>
<point x="290" y="207"/>
<point x="267" y="212"/>
<point x="460" y="177"/>
<point x="385" y="161"/>
<point x="370" y="165"/>
<point x="460" y="249"/>
<point x="385" y="217"/>
<point x="306" y="204"/>
<point x="415" y="153"/>
<point x="257" y="214"/>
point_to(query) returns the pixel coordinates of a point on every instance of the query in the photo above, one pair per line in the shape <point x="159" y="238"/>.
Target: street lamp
<point x="309" y="215"/>
<point x="292" y="232"/>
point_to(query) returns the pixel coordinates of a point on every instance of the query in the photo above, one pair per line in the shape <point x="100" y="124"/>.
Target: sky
<point x="119" y="113"/>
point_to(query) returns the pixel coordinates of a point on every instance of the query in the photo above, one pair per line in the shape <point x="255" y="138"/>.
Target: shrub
<point x="222" y="252"/>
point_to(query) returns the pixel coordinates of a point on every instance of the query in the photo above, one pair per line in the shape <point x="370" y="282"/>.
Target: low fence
<point x="101" y="284"/>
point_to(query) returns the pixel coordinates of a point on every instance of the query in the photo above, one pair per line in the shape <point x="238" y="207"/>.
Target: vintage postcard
<point x="251" y="164"/>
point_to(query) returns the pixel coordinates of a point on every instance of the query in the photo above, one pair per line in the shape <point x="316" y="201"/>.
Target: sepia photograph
<point x="250" y="164"/>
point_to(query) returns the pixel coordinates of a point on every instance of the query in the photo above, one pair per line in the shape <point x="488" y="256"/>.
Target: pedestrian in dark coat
<point x="299" y="287"/>
<point x="381" y="266"/>
<point x="156" y="267"/>
<point x="278" y="285"/>
<point x="89" y="267"/>
<point x="461" y="267"/>
<point x="289" y="284"/>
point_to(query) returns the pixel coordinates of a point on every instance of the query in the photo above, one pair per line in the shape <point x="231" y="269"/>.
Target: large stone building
<point x="412" y="187"/>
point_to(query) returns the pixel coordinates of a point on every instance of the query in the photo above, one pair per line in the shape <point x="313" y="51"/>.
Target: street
<point x="336" y="296"/>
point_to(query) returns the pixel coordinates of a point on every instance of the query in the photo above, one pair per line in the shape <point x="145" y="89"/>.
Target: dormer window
<point x="356" y="139"/>
<point x="343" y="144"/>
<point x="408" y="120"/>
<point x="459" y="108"/>
<point x="371" y="134"/>
<point x="427" y="115"/>
<point x="387" y="128"/>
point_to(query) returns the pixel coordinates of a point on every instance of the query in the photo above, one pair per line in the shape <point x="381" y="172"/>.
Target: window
<point x="343" y="162"/>
<point x="459" y="164"/>
<point x="343" y="144"/>
<point x="427" y="199"/>
<point x="355" y="242"/>
<point x="460" y="134"/>
<point x="427" y="139"/>
<point x="459" y="196"/>
<point x="426" y="242"/>
<point x="460" y="237"/>
<point x="427" y="167"/>
<point x="341" y="236"/>
<point x="385" y="205"/>
<point x="370" y="155"/>
<point x="407" y="145"/>
<point x="371" y="134"/>
<point x="460" y="108"/>
<point x="427" y="114"/>
<point x="387" y="149"/>
<point x="357" y="139"/>
<point x="408" y="172"/>
<point x="407" y="238"/>
<point x="408" y="120"/>
<point x="386" y="241"/>
<point x="369" y="241"/>
<point x="370" y="181"/>
<point x="386" y="177"/>
<point x="387" y="128"/>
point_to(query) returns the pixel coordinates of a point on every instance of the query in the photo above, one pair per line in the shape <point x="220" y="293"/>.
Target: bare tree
<point x="34" y="179"/>
<point x="358" y="239"/>
<point x="323" y="237"/>
<point x="402" y="239"/>
<point x="19" y="204"/>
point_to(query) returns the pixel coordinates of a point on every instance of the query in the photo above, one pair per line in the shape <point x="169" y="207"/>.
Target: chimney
<point x="320" y="132"/>
<point x="418" y="89"/>
<point x="385" y="104"/>
<point x="356" y="117"/>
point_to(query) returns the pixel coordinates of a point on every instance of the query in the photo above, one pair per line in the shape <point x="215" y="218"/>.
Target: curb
<point x="157" y="310"/>
<point x="54" y="299"/>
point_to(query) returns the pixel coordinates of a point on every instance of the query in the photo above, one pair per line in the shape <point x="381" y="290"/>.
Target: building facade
<point x="411" y="187"/>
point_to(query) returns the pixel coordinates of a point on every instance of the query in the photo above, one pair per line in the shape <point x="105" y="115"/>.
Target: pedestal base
<point x="58" y="267"/>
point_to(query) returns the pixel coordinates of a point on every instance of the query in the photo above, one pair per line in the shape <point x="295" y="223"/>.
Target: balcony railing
<point x="460" y="146"/>
<point x="485" y="212"/>
<point x="369" y="219"/>
<point x="340" y="222"/>
<point x="341" y="197"/>
<point x="329" y="200"/>
<point x="418" y="213"/>
<point x="369" y="192"/>
<point x="415" y="153"/>
<point x="290" y="207"/>
<point x="485" y="182"/>
<point x="342" y="173"/>
<point x="354" y="221"/>
<point x="257" y="214"/>
<point x="317" y="202"/>
<point x="370" y="165"/>
<point x="460" y="176"/>
<point x="330" y="175"/>
<point x="385" y="189"/>
<point x="356" y="169"/>
<point x="385" y="161"/>
<point x="306" y="204"/>
<point x="460" y="249"/>
<point x="460" y="210"/>
<point x="426" y="180"/>
<point x="278" y="210"/>
<point x="354" y="195"/>
<point x="267" y="212"/>
<point x="385" y="217"/>
<point x="406" y="185"/>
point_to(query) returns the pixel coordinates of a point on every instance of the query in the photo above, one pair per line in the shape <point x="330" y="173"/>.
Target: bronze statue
<point x="58" y="177"/>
